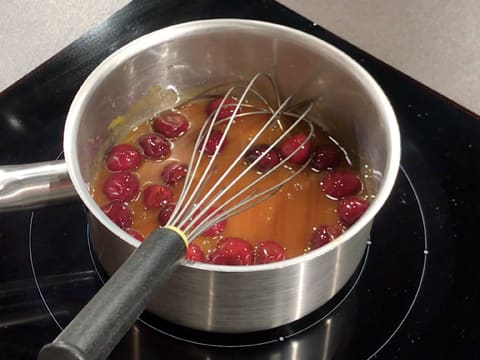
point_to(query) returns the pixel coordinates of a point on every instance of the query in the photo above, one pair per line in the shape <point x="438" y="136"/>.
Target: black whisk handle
<point x="101" y="324"/>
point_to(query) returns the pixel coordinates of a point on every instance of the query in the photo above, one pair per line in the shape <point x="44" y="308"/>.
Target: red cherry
<point x="173" y="173"/>
<point x="269" y="251"/>
<point x="218" y="257"/>
<point x="155" y="146"/>
<point x="227" y="109"/>
<point x="121" y="186"/>
<point x="291" y="144"/>
<point x="123" y="157"/>
<point x="119" y="213"/>
<point x="213" y="142"/>
<point x="215" y="229"/>
<point x="232" y="251"/>
<point x="195" y="253"/>
<point x="341" y="183"/>
<point x="156" y="195"/>
<point x="170" y="124"/>
<point x="267" y="161"/>
<point x="323" y="234"/>
<point x="135" y="234"/>
<point x="165" y="212"/>
<point x="350" y="209"/>
<point x="326" y="156"/>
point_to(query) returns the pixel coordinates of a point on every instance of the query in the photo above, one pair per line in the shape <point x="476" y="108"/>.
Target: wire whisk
<point x="191" y="213"/>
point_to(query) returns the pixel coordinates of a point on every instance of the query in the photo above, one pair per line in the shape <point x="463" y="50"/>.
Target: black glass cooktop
<point x="414" y="296"/>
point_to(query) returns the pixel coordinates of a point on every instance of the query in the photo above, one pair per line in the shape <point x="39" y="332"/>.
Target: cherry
<point x="227" y="109"/>
<point x="165" y="212"/>
<point x="326" y="156"/>
<point x="267" y="161"/>
<point x="123" y="157"/>
<point x="119" y="213"/>
<point x="213" y="142"/>
<point x="341" y="183"/>
<point x="155" y="146"/>
<point x="173" y="173"/>
<point x="121" y="186"/>
<point x="156" y="195"/>
<point x="195" y="253"/>
<point x="291" y="144"/>
<point x="215" y="229"/>
<point x="323" y="234"/>
<point x="350" y="209"/>
<point x="232" y="251"/>
<point x="170" y="124"/>
<point x="269" y="251"/>
<point x="135" y="234"/>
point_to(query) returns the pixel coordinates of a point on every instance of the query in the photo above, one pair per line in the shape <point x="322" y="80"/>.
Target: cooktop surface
<point x="414" y="295"/>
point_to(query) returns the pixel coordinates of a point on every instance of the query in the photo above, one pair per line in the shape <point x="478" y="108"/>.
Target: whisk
<point x="99" y="326"/>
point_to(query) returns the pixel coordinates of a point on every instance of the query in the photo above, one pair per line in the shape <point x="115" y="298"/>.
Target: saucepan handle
<point x="34" y="185"/>
<point x="101" y="324"/>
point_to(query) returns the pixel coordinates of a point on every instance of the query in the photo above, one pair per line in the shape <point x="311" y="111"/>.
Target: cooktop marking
<point x="37" y="285"/>
<point x="425" y="252"/>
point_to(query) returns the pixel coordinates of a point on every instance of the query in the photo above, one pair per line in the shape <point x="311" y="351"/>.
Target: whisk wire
<point x="194" y="164"/>
<point x="233" y="164"/>
<point x="209" y="124"/>
<point x="265" y="174"/>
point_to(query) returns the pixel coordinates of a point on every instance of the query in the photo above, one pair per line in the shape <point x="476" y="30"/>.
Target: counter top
<point x="433" y="41"/>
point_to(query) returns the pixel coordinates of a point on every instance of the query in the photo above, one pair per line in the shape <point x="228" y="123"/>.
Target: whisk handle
<point x="101" y="324"/>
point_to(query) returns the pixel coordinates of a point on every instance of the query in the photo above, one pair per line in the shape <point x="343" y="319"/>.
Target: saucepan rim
<point x="147" y="41"/>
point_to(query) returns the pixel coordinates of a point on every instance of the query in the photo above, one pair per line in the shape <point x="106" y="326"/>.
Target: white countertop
<point x="434" y="41"/>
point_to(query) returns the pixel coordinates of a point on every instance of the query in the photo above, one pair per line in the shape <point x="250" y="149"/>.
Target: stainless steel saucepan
<point x="349" y="105"/>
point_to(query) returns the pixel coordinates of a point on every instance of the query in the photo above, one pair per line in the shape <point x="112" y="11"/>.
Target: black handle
<point x="100" y="325"/>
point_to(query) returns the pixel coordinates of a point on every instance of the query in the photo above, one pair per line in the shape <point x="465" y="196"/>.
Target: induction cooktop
<point x="414" y="295"/>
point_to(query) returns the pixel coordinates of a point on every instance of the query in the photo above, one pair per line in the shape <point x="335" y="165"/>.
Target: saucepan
<point x="154" y="70"/>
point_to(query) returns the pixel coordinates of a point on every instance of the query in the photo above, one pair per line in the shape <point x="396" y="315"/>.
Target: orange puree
<point x="288" y="217"/>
